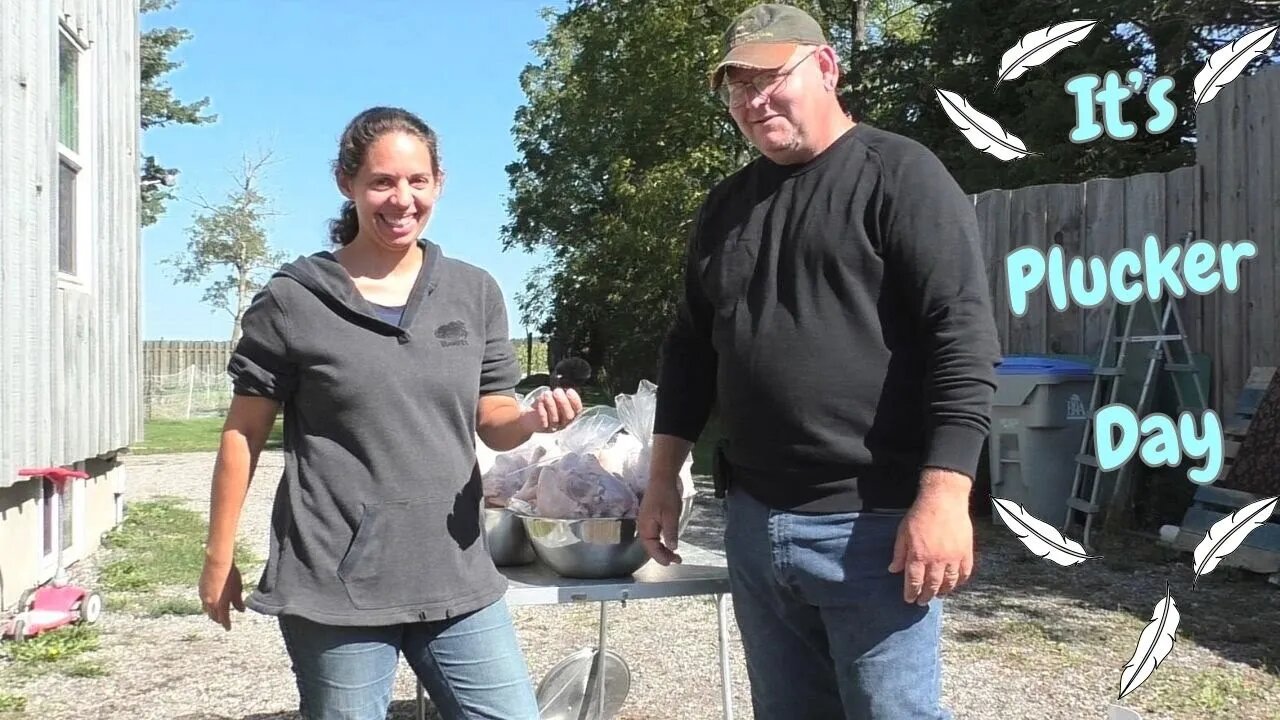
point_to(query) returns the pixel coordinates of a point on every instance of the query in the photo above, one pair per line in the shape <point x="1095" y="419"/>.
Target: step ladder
<point x="1169" y="353"/>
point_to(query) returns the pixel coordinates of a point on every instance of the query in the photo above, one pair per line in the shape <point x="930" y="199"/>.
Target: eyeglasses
<point x="735" y="94"/>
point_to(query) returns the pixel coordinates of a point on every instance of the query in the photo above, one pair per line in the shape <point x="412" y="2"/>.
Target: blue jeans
<point x="471" y="666"/>
<point x="824" y="627"/>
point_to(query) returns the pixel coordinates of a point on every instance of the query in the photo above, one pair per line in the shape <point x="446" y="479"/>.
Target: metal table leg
<point x="726" y="687"/>
<point x="597" y="673"/>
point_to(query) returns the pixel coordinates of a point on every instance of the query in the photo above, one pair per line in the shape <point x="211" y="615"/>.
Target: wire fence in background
<point x="186" y="394"/>
<point x="203" y="388"/>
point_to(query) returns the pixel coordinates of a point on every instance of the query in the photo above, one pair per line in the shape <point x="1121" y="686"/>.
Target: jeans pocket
<point x="408" y="552"/>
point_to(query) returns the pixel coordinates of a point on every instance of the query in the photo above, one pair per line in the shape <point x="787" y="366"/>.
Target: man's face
<point x="775" y="119"/>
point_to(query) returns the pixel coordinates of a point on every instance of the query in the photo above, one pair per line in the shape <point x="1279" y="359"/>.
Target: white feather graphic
<point x="1038" y="46"/>
<point x="1227" y="534"/>
<point x="981" y="131"/>
<point x="1154" y="645"/>
<point x="1226" y="63"/>
<point x="1039" y="537"/>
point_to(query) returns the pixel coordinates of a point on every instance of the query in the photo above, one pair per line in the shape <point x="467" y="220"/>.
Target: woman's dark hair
<point x="353" y="148"/>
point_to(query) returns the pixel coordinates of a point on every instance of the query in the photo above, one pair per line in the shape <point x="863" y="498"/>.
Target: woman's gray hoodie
<point x="377" y="517"/>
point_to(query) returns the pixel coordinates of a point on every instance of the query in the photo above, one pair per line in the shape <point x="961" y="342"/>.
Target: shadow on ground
<point x="1233" y="613"/>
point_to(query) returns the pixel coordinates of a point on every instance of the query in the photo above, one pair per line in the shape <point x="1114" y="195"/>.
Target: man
<point x="836" y="307"/>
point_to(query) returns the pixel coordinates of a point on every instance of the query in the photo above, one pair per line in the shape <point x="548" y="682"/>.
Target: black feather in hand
<point x="571" y="373"/>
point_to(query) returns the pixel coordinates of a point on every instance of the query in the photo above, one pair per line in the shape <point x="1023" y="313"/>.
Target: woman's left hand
<point x="552" y="411"/>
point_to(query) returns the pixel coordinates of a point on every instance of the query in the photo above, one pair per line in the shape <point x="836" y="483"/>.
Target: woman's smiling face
<point x="394" y="191"/>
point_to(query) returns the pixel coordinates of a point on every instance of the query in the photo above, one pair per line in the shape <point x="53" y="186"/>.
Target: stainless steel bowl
<point x="592" y="548"/>
<point x="508" y="542"/>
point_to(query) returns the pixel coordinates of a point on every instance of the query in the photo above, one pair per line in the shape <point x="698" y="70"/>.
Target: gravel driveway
<point x="1025" y="639"/>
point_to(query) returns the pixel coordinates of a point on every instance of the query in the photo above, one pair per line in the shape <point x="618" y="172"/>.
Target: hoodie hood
<point x="322" y="275"/>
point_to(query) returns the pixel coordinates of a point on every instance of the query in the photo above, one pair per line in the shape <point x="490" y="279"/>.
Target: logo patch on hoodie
<point x="453" y="333"/>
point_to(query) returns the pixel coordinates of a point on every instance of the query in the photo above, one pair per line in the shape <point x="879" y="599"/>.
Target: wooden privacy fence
<point x="1232" y="194"/>
<point x="170" y="357"/>
<point x="1095" y="218"/>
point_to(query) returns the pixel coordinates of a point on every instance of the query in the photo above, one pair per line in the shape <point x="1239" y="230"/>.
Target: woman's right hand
<point x="220" y="588"/>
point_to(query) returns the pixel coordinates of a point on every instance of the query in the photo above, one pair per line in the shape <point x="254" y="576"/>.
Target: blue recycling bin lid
<point x="1037" y="365"/>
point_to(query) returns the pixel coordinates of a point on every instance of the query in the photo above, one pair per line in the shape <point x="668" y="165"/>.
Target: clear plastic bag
<point x="513" y="470"/>
<point x="590" y="431"/>
<point x="504" y="474"/>
<point x="637" y="412"/>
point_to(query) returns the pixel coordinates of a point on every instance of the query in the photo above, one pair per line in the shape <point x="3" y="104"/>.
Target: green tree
<point x="620" y="138"/>
<point x="159" y="108"/>
<point x="227" y="251"/>
<point x="892" y="84"/>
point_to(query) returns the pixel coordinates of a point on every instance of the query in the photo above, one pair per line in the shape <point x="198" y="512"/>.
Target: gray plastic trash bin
<point x="1037" y="421"/>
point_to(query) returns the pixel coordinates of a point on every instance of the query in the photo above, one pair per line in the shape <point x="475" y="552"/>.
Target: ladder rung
<point x="1180" y="367"/>
<point x="1146" y="338"/>
<point x="1082" y="505"/>
<point x="1011" y="460"/>
<point x="1108" y="371"/>
<point x="1089" y="460"/>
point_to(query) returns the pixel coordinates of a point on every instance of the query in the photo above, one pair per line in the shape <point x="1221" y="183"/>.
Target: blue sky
<point x="288" y="74"/>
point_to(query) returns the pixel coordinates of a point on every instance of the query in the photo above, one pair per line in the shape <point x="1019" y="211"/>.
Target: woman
<point x="388" y="358"/>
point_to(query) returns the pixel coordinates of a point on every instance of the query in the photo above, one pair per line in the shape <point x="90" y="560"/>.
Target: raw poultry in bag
<point x="577" y="486"/>
<point x="513" y="473"/>
<point x="575" y="483"/>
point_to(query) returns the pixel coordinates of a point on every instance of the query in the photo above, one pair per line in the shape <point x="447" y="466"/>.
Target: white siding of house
<point x="69" y="350"/>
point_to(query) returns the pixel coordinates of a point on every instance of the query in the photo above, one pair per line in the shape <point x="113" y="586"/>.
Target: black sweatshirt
<point x="838" y="314"/>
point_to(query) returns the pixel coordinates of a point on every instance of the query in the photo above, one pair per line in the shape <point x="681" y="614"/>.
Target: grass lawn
<point x="195" y="435"/>
<point x="160" y="544"/>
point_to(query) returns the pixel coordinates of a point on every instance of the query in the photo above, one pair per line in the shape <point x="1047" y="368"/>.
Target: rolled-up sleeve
<point x="499" y="369"/>
<point x="261" y="365"/>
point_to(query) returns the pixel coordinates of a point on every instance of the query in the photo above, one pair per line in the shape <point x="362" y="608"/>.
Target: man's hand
<point x="935" y="539"/>
<point x="658" y="521"/>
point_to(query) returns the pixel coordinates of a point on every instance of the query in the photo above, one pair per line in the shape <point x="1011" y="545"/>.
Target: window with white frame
<point x="61" y="519"/>
<point x="72" y="195"/>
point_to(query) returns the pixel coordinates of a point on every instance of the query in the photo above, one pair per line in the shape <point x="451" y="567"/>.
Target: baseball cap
<point x="764" y="36"/>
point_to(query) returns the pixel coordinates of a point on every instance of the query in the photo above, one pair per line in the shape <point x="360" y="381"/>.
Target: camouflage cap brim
<point x="753" y="56"/>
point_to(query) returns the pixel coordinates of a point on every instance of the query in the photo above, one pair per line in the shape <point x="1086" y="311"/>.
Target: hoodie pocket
<point x="413" y="552"/>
